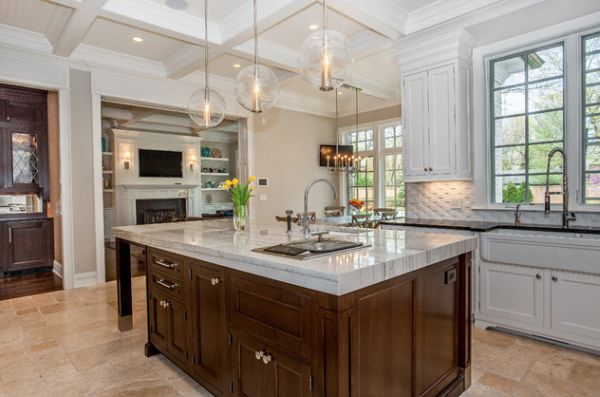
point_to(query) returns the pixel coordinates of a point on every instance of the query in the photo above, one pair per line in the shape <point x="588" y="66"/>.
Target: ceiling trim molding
<point x="100" y="56"/>
<point x="77" y="26"/>
<point x="13" y="36"/>
<point x="383" y="16"/>
<point x="442" y="11"/>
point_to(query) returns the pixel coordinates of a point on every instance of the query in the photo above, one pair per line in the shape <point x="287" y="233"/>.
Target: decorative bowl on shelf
<point x="205" y="151"/>
<point x="216" y="153"/>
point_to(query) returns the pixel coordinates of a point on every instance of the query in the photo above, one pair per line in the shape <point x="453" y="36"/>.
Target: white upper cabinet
<point x="437" y="140"/>
<point x="435" y="109"/>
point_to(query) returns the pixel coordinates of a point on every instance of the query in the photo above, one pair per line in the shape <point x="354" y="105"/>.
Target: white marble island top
<point x="391" y="253"/>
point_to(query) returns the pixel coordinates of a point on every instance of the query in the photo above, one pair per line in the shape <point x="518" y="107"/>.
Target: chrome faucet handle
<point x="320" y="234"/>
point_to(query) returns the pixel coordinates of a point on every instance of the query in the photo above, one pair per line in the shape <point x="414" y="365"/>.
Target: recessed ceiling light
<point x="237" y="65"/>
<point x="137" y="39"/>
<point x="340" y="92"/>
<point x="313" y="27"/>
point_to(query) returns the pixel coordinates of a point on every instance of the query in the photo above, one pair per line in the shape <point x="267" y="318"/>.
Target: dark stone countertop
<point x="479" y="226"/>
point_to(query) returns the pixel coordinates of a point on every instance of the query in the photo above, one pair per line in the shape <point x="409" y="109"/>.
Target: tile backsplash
<point x="455" y="201"/>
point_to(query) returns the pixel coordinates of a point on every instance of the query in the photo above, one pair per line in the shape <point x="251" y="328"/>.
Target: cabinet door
<point x="29" y="245"/>
<point x="513" y="293"/>
<point x="177" y="330"/>
<point x="436" y="331"/>
<point x="442" y="130"/>
<point x="158" y="317"/>
<point x="209" y="324"/>
<point x="261" y="371"/>
<point x="575" y="300"/>
<point x="416" y="134"/>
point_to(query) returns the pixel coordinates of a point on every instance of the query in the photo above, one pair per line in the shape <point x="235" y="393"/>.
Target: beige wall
<point x="54" y="174"/>
<point x="368" y="117"/>
<point x="286" y="150"/>
<point x="84" y="240"/>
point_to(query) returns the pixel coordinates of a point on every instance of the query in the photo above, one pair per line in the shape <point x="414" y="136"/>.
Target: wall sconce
<point x="126" y="158"/>
<point x="192" y="162"/>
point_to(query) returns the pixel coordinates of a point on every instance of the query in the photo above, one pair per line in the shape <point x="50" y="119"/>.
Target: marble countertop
<point x="391" y="253"/>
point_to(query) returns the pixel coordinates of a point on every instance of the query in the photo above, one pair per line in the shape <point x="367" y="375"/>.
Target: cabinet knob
<point x="215" y="281"/>
<point x="425" y="169"/>
<point x="164" y="304"/>
<point x="430" y="169"/>
<point x="7" y="118"/>
<point x="554" y="278"/>
<point x="267" y="358"/>
<point x="538" y="276"/>
<point x="259" y="354"/>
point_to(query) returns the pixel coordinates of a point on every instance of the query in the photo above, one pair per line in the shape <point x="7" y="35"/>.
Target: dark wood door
<point x="178" y="330"/>
<point x="158" y="317"/>
<point x="436" y="331"/>
<point x="209" y="324"/>
<point x="29" y="244"/>
<point x="261" y="371"/>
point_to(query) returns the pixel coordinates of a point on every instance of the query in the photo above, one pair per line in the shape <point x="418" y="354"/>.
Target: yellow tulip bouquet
<point x="240" y="195"/>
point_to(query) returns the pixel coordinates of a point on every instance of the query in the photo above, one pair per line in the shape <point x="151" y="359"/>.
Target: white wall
<point x="286" y="150"/>
<point x="82" y="144"/>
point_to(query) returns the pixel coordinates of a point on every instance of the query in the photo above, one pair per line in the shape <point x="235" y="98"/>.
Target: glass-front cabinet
<point x="23" y="150"/>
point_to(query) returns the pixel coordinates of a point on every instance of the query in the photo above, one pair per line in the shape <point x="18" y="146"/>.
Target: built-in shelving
<point x="211" y="189"/>
<point x="215" y="158"/>
<point x="214" y="174"/>
<point x="107" y="153"/>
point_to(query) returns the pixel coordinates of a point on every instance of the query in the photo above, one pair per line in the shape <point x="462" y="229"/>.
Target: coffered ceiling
<point x="170" y="34"/>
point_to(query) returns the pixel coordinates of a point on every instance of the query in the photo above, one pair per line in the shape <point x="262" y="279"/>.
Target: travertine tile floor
<point x="66" y="343"/>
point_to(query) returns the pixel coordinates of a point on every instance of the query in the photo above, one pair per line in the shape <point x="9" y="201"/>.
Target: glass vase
<point x="240" y="217"/>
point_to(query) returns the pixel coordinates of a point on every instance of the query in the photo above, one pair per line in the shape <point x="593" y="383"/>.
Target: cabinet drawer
<point x="165" y="283"/>
<point x="280" y="316"/>
<point x="169" y="264"/>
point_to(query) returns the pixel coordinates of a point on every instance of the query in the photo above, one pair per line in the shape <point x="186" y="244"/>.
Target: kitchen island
<point x="390" y="319"/>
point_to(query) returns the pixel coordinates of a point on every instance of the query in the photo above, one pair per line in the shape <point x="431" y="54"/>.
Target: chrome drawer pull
<point x="168" y="265"/>
<point x="267" y="358"/>
<point x="215" y="281"/>
<point x="165" y="284"/>
<point x="259" y="355"/>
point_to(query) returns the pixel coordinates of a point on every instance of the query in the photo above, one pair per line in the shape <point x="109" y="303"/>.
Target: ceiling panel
<point x="223" y="66"/>
<point x="382" y="67"/>
<point x="217" y="9"/>
<point x="292" y="32"/>
<point x="117" y="37"/>
<point x="35" y="15"/>
<point x="413" y="5"/>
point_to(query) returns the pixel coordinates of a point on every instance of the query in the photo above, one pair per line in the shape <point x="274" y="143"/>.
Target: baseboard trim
<point x="58" y="269"/>
<point x="85" y="280"/>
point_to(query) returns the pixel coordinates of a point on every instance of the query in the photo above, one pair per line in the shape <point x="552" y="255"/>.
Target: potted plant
<point x="240" y="195"/>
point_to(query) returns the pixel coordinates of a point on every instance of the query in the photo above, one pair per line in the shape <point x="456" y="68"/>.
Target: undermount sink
<point x="311" y="248"/>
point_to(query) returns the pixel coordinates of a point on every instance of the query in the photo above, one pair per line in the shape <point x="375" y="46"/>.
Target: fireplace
<point x="160" y="210"/>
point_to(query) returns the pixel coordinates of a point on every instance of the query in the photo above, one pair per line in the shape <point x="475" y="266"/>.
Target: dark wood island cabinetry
<point x="239" y="334"/>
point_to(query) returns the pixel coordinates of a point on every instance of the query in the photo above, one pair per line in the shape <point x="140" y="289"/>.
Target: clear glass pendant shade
<point x="206" y="108"/>
<point x="326" y="59"/>
<point x="257" y="88"/>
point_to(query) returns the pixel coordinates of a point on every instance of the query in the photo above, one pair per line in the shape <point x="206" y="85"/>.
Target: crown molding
<point x="382" y="16"/>
<point x="101" y="56"/>
<point x="417" y="53"/>
<point x="13" y="36"/>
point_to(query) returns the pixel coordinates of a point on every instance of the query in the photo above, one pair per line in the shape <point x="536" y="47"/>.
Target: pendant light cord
<point x="206" y="89"/>
<point x="356" y="110"/>
<point x="337" y="132"/>
<point x="255" y="36"/>
<point x="325" y="22"/>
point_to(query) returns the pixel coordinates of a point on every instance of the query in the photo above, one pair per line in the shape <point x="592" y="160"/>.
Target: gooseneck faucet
<point x="305" y="221"/>
<point x="566" y="216"/>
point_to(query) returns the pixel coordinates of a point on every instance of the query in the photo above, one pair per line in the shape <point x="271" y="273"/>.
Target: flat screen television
<point x="329" y="150"/>
<point x="160" y="164"/>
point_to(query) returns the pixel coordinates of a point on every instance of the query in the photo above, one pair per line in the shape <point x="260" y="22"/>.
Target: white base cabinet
<point x="575" y="304"/>
<point x="514" y="293"/>
<point x="559" y="305"/>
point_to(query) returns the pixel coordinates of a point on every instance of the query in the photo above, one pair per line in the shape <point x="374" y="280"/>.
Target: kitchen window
<point x="380" y="182"/>
<point x="527" y="121"/>
<point x="591" y="119"/>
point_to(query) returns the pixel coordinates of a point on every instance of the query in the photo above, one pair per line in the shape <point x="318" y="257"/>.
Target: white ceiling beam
<point x="381" y="16"/>
<point x="74" y="31"/>
<point x="68" y="3"/>
<point x="185" y="61"/>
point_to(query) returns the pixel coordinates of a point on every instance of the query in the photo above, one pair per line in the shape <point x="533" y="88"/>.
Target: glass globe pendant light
<point x="257" y="86"/>
<point x="325" y="58"/>
<point x="206" y="107"/>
